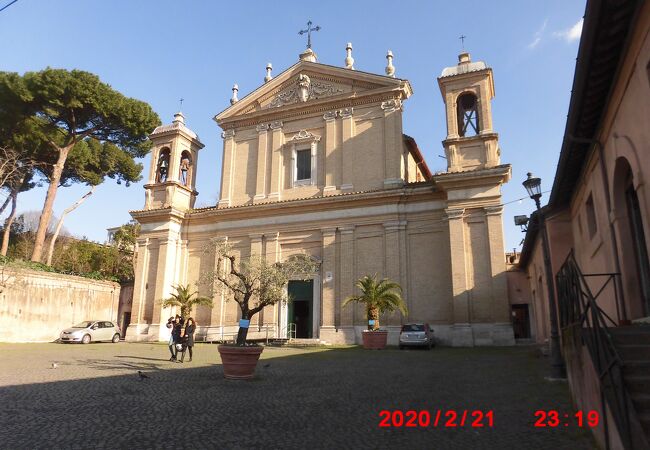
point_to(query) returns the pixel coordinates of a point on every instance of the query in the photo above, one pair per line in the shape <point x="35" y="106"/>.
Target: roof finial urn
<point x="268" y="76"/>
<point x="234" y="98"/>
<point x="349" y="60"/>
<point x="390" y="69"/>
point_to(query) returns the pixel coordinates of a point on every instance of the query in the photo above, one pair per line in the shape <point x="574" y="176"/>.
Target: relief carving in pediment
<point x="304" y="89"/>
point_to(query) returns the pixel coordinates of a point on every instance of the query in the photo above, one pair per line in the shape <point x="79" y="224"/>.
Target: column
<point x="227" y="168"/>
<point x="461" y="333"/>
<point x="330" y="167"/>
<point x="347" y="160"/>
<point x="346" y="280"/>
<point x="502" y="333"/>
<point x="277" y="172"/>
<point x="393" y="153"/>
<point x="260" y="190"/>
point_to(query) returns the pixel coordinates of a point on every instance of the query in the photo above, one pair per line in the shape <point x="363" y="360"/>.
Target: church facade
<point x="315" y="161"/>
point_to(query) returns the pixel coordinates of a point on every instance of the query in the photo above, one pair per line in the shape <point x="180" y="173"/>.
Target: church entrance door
<point x="301" y="307"/>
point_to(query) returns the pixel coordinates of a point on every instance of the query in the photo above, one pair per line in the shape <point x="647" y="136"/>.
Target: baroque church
<point x="315" y="162"/>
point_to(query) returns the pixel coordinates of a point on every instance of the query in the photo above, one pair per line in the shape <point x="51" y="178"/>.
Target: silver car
<point x="91" y="330"/>
<point x="420" y="334"/>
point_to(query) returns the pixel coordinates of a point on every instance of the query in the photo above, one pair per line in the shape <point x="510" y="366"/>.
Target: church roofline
<point x="306" y="65"/>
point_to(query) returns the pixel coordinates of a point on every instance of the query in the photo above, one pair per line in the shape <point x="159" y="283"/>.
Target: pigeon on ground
<point x="267" y="365"/>
<point x="142" y="375"/>
<point x="54" y="365"/>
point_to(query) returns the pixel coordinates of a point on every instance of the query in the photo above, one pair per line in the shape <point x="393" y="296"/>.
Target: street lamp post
<point x="534" y="187"/>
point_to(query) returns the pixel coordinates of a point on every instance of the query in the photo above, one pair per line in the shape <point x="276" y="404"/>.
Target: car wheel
<point x="85" y="339"/>
<point x="116" y="338"/>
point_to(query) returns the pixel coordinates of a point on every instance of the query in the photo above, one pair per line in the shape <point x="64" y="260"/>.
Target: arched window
<point x="467" y="107"/>
<point x="186" y="168"/>
<point x="162" y="168"/>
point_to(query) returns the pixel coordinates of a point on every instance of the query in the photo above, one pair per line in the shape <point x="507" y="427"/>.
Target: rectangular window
<point x="303" y="165"/>
<point x="591" y="216"/>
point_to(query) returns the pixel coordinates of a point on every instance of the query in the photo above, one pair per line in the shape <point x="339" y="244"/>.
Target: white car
<point x="91" y="330"/>
<point x="416" y="334"/>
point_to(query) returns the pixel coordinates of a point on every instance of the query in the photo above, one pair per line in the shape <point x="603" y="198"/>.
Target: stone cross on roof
<point x="308" y="31"/>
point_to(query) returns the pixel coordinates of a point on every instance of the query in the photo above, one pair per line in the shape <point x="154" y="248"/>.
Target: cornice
<point x="370" y="198"/>
<point x="471" y="178"/>
<point x="311" y="108"/>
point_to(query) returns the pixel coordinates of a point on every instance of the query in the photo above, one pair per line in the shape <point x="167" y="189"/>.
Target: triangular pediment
<point x="307" y="83"/>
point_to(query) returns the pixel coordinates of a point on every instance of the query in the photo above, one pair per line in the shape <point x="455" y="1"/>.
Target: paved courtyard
<point x="300" y="398"/>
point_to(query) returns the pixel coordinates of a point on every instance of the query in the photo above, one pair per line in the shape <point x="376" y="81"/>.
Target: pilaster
<point x="331" y="156"/>
<point x="328" y="270"/>
<point x="346" y="278"/>
<point x="262" y="144"/>
<point x="461" y="330"/>
<point x="392" y="145"/>
<point x="139" y="287"/>
<point x="347" y="163"/>
<point x="392" y="231"/>
<point x="228" y="167"/>
<point x="165" y="279"/>
<point x="277" y="172"/>
<point x="501" y="307"/>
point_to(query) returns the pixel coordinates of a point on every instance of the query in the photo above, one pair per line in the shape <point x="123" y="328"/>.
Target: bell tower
<point x="467" y="90"/>
<point x="172" y="173"/>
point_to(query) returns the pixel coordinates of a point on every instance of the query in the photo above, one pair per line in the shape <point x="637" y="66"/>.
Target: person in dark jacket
<point x="172" y="344"/>
<point x="176" y="337"/>
<point x="188" y="338"/>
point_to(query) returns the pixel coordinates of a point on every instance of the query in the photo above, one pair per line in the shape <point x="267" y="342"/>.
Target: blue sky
<point x="159" y="51"/>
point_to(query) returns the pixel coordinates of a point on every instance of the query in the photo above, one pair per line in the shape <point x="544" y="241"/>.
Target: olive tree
<point x="253" y="282"/>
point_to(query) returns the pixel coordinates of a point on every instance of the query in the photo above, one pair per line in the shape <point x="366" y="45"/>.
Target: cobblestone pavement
<point x="300" y="398"/>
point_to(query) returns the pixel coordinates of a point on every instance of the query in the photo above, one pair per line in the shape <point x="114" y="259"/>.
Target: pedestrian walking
<point x="188" y="338"/>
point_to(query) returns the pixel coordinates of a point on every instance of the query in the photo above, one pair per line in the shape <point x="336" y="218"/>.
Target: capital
<point x="346" y="113"/>
<point x="276" y="125"/>
<point x="228" y="134"/>
<point x="493" y="210"/>
<point x="329" y="116"/>
<point x="391" y="105"/>
<point x="454" y="213"/>
<point x="262" y="127"/>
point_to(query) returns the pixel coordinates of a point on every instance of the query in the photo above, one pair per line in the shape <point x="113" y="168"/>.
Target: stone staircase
<point x="633" y="345"/>
<point x="297" y="343"/>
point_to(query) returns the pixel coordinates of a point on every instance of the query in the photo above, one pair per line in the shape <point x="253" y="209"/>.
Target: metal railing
<point x="291" y="331"/>
<point x="578" y="308"/>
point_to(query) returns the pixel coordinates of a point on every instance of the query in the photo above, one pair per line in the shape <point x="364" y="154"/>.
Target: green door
<point x="301" y="307"/>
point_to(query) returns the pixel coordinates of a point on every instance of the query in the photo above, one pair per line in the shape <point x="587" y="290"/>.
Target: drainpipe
<point x="603" y="169"/>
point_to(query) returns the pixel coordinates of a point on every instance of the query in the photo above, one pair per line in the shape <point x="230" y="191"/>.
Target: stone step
<point x="644" y="420"/>
<point x="638" y="384"/>
<point x="635" y="334"/>
<point x="641" y="402"/>
<point x="636" y="367"/>
<point x="634" y="352"/>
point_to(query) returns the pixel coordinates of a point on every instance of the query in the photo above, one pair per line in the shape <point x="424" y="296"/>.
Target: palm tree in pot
<point x="379" y="297"/>
<point x="253" y="283"/>
<point x="186" y="299"/>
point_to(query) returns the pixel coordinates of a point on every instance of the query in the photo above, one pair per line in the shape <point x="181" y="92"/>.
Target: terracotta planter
<point x="239" y="362"/>
<point x="374" y="340"/>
